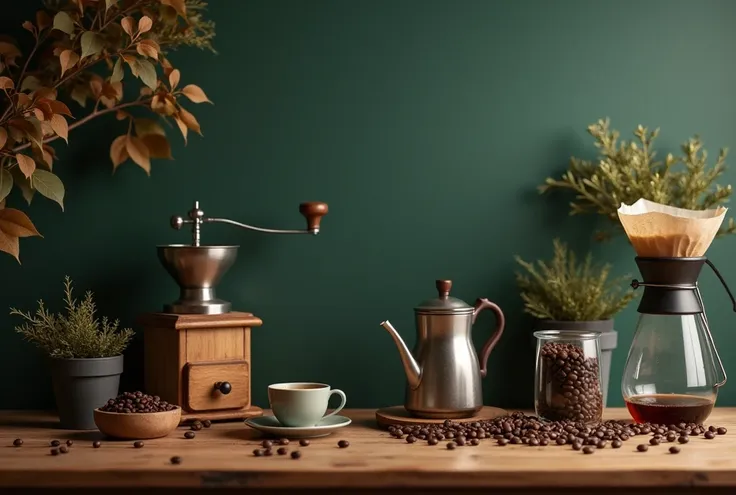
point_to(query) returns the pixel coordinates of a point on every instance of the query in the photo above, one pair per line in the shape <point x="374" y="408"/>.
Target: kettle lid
<point x="444" y="303"/>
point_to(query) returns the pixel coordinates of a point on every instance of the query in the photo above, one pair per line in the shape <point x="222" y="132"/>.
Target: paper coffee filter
<point x="657" y="230"/>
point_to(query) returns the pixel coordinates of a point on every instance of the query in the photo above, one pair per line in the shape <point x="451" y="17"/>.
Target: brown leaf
<point x="195" y="94"/>
<point x="128" y="24"/>
<point x="44" y="107"/>
<point x="28" y="26"/>
<point x="174" y="78"/>
<point x="189" y="121"/>
<point x="163" y="104"/>
<point x="6" y="83"/>
<point x="144" y="24"/>
<point x="3" y="137"/>
<point x="39" y="114"/>
<point x="60" y="108"/>
<point x="146" y="91"/>
<point x="139" y="153"/>
<point x="67" y="60"/>
<point x="122" y="115"/>
<point x="60" y="127"/>
<point x="26" y="164"/>
<point x="9" y="244"/>
<point x="118" y="153"/>
<point x="117" y="71"/>
<point x="79" y="94"/>
<point x="168" y="68"/>
<point x="178" y="5"/>
<point x="43" y="20"/>
<point x="16" y="223"/>
<point x="158" y="146"/>
<point x="95" y="85"/>
<point x="47" y="156"/>
<point x="148" y="48"/>
<point x="23" y="100"/>
<point x="45" y="93"/>
<point x="10" y="52"/>
<point x="182" y="128"/>
<point x="145" y="126"/>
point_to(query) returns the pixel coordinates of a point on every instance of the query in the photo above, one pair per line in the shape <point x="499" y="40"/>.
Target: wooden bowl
<point x="137" y="426"/>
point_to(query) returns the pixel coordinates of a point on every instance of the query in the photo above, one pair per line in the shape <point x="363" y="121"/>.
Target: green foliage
<point x="626" y="171"/>
<point x="78" y="334"/>
<point x="564" y="290"/>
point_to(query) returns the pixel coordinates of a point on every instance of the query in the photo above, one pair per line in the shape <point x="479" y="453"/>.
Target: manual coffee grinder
<point x="197" y="351"/>
<point x="673" y="371"/>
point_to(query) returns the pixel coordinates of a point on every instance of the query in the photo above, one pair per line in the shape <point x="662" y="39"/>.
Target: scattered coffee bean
<point x="502" y="442"/>
<point x="721" y="430"/>
<point x="345" y="444"/>
<point x="588" y="450"/>
<point x="196" y="426"/>
<point x="267" y="452"/>
<point x="63" y="449"/>
<point x="267" y="444"/>
<point x="409" y="439"/>
<point x="475" y="441"/>
<point x="709" y="435"/>
<point x="304" y="442"/>
<point x="674" y="449"/>
<point x="616" y="444"/>
<point x="433" y="441"/>
<point x="602" y="444"/>
<point x="138" y="444"/>
<point x="189" y="434"/>
<point x="284" y="441"/>
<point x="55" y="443"/>
<point x="296" y="454"/>
<point x="683" y="439"/>
<point x="655" y="441"/>
<point x="176" y="460"/>
<point x="258" y="452"/>
<point x="282" y="451"/>
<point x="17" y="442"/>
<point x="137" y="402"/>
<point x="577" y="446"/>
<point x="642" y="447"/>
<point x="96" y="444"/>
<point x="206" y="423"/>
<point x="572" y="382"/>
<point x="69" y="443"/>
<point x="671" y="437"/>
<point x="451" y="446"/>
<point x="54" y="451"/>
<point x="544" y="442"/>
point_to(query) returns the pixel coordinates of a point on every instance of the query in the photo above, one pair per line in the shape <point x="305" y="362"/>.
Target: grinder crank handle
<point x="481" y="304"/>
<point x="313" y="211"/>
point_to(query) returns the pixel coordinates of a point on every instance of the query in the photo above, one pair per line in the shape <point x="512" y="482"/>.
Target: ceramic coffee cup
<point x="302" y="404"/>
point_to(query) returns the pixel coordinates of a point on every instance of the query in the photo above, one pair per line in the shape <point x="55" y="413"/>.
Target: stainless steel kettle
<point x="443" y="371"/>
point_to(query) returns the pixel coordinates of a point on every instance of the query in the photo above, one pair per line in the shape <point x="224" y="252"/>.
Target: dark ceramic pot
<point x="608" y="340"/>
<point x="81" y="386"/>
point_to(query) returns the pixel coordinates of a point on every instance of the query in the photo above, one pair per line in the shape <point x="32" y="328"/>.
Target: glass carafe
<point x="673" y="370"/>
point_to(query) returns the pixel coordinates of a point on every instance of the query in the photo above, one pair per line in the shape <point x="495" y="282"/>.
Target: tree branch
<point x="86" y="119"/>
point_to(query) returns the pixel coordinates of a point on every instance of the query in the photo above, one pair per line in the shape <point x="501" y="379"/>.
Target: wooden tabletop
<point x="222" y="456"/>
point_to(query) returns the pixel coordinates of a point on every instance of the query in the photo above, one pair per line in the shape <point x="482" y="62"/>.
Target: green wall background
<point x="426" y="126"/>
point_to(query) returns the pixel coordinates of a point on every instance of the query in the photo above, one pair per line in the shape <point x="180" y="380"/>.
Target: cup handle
<point x="343" y="399"/>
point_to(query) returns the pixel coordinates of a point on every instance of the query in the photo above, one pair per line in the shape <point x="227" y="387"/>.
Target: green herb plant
<point x="78" y="334"/>
<point x="626" y="171"/>
<point x="564" y="290"/>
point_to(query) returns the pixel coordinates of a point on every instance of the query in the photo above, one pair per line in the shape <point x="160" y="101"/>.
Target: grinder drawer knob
<point x="223" y="387"/>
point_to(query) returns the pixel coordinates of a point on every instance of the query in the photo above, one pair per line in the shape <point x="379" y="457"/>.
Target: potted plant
<point x="625" y="171"/>
<point x="85" y="355"/>
<point x="563" y="294"/>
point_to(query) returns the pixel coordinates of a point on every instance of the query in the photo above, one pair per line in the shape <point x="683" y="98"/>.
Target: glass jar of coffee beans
<point x="567" y="382"/>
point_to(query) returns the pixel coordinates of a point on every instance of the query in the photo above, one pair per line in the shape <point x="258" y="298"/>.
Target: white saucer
<point x="271" y="425"/>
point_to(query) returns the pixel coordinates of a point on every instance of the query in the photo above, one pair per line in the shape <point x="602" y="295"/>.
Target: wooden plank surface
<point x="222" y="457"/>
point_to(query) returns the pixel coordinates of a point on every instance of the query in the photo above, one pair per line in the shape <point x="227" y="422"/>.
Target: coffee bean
<point x="63" y="449"/>
<point x="267" y="452"/>
<point x="296" y="454"/>
<point x="601" y="444"/>
<point x="282" y="451"/>
<point x="54" y="451"/>
<point x="267" y="444"/>
<point x="451" y="446"/>
<point x="284" y="441"/>
<point x="55" y="443"/>
<point x="137" y="402"/>
<point x="69" y="443"/>
<point x="258" y="452"/>
<point x="460" y="441"/>
<point x="561" y="441"/>
<point x="176" y="460"/>
<point x="206" y="423"/>
<point x="189" y="434"/>
<point x="515" y="441"/>
<point x="588" y="450"/>
<point x="432" y="441"/>
<point x="544" y="442"/>
<point x="683" y="439"/>
<point x="410" y="439"/>
<point x="138" y="444"/>
<point x="709" y="435"/>
<point x="17" y="442"/>
<point x="674" y="449"/>
<point x="304" y="442"/>
<point x="502" y="442"/>
<point x="345" y="444"/>
<point x="721" y="430"/>
<point x="96" y="444"/>
<point x="616" y="444"/>
<point x="642" y="447"/>
<point x="655" y="441"/>
<point x="712" y="428"/>
<point x="671" y="437"/>
<point x="196" y="426"/>
<point x="475" y="441"/>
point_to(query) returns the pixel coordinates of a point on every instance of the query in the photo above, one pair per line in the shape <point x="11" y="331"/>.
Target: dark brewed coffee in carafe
<point x="669" y="409"/>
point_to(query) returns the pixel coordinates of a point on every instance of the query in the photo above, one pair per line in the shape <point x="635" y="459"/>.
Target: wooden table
<point x="222" y="457"/>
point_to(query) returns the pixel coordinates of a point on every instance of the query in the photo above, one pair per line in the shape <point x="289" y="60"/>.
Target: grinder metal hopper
<point x="198" y="269"/>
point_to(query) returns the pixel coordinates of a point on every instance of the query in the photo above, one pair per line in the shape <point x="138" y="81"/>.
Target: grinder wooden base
<point x="250" y="412"/>
<point x="398" y="416"/>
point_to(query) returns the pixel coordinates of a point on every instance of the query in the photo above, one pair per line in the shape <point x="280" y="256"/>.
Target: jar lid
<point x="444" y="303"/>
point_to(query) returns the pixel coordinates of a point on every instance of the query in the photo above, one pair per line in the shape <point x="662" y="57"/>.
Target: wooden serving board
<point x="397" y="415"/>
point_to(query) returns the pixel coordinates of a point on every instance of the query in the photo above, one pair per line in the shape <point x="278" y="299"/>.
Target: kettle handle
<point x="480" y="304"/>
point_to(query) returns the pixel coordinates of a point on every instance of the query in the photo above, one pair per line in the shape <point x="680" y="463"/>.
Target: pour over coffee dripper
<point x="198" y="269"/>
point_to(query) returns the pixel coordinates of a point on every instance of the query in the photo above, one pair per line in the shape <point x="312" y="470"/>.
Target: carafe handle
<point x="481" y="304"/>
<point x="718" y="274"/>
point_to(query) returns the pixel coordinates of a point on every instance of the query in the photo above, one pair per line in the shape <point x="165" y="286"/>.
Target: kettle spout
<point x="411" y="367"/>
